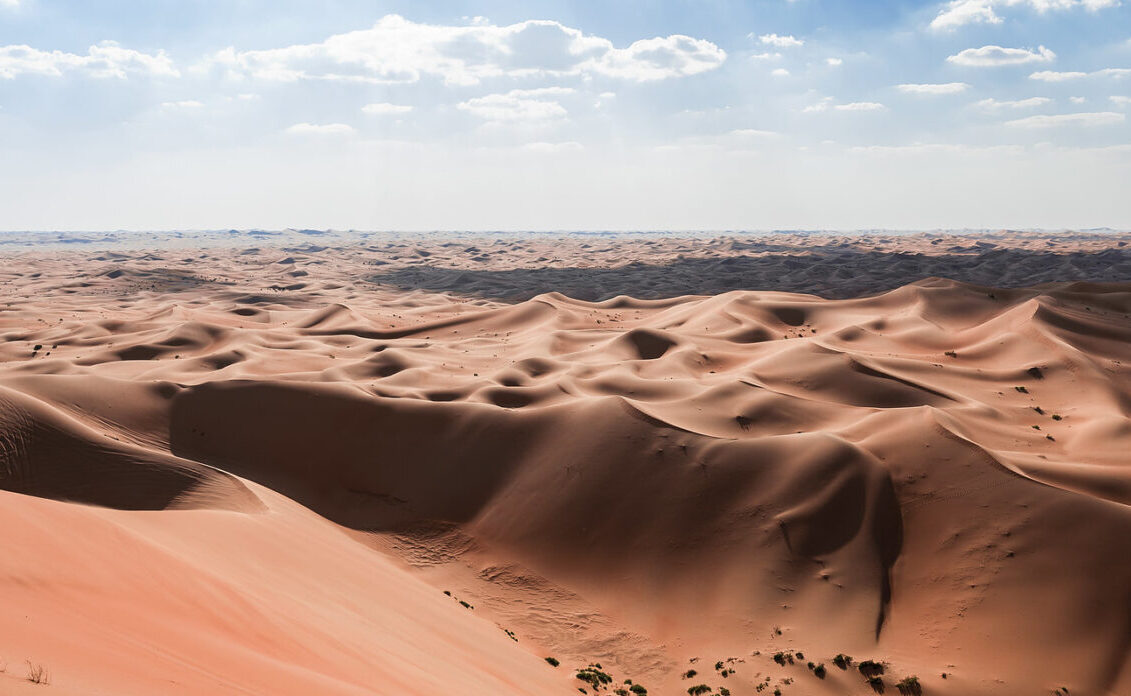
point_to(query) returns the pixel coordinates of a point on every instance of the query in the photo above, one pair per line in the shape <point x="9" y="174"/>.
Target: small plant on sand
<point x="1023" y="390"/>
<point x="1056" y="416"/>
<point x="842" y="661"/>
<point x="719" y="666"/>
<point x="37" y="674"/>
<point x="638" y="690"/>
<point x="465" y="605"/>
<point x="782" y="658"/>
<point x="870" y="668"/>
<point x="553" y="661"/>
<point x="620" y="692"/>
<point x="820" y="671"/>
<point x="689" y="674"/>
<point x="723" y="691"/>
<point x="877" y="684"/>
<point x="950" y="354"/>
<point x="777" y="691"/>
<point x="909" y="686"/>
<point x="593" y="676"/>
<point x="699" y="690"/>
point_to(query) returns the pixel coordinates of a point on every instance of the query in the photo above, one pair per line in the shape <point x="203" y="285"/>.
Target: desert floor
<point x="344" y="463"/>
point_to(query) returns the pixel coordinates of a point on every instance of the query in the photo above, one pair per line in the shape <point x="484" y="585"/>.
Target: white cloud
<point x="992" y="56"/>
<point x="780" y="72"/>
<point x="1100" y="118"/>
<point x="1077" y="100"/>
<point x="943" y="88"/>
<point x="957" y="13"/>
<point x="1120" y="100"/>
<point x="397" y="50"/>
<point x="551" y="148"/>
<point x="385" y="109"/>
<point x="10" y="3"/>
<point x="934" y="148"/>
<point x="320" y="129"/>
<point x="518" y="105"/>
<point x="103" y="60"/>
<point x="184" y="104"/>
<point x="766" y="56"/>
<point x="992" y="104"/>
<point x="1054" y="76"/>
<point x="780" y="41"/>
<point x="834" y="61"/>
<point x="860" y="106"/>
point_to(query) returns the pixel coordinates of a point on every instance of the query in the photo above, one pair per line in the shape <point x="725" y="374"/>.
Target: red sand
<point x="244" y="472"/>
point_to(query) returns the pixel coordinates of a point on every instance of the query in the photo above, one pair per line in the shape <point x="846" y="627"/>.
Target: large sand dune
<point x="257" y="470"/>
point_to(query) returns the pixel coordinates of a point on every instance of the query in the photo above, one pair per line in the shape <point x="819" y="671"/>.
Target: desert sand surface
<point x="341" y="463"/>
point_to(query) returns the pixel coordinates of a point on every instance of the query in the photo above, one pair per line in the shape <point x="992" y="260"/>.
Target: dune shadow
<point x="830" y="272"/>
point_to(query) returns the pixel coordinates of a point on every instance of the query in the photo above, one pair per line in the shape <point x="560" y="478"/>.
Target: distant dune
<point x="422" y="465"/>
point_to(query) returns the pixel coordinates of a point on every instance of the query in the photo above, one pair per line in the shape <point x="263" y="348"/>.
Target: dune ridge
<point x="265" y="491"/>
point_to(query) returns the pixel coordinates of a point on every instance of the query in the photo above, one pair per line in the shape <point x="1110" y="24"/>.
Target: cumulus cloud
<point x="385" y="109"/>
<point x="780" y="41"/>
<point x="320" y="129"/>
<point x="518" y="105"/>
<point x="1054" y="76"/>
<point x="104" y="60"/>
<point x="992" y="104"/>
<point x="755" y="133"/>
<point x="942" y="88"/>
<point x="397" y="50"/>
<point x="958" y="13"/>
<point x="1120" y="100"/>
<point x="780" y="72"/>
<point x="834" y="61"/>
<point x="1098" y="118"/>
<point x="993" y="56"/>
<point x="10" y="3"/>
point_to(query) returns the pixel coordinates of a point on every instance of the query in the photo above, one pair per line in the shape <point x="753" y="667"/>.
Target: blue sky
<point x="638" y="114"/>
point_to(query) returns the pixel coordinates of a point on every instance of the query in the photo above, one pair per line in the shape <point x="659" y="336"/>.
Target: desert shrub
<point x="593" y="676"/>
<point x="37" y="674"/>
<point x="553" y="661"/>
<point x="699" y="690"/>
<point x="638" y="690"/>
<point x="842" y="661"/>
<point x="723" y="691"/>
<point x="1056" y="416"/>
<point x="689" y="674"/>
<point x="909" y="686"/>
<point x="1023" y="390"/>
<point x="819" y="670"/>
<point x="870" y="668"/>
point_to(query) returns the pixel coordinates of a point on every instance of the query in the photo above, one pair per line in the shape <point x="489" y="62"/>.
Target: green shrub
<point x="699" y="690"/>
<point x="553" y="661"/>
<point x="819" y="670"/>
<point x="842" y="661"/>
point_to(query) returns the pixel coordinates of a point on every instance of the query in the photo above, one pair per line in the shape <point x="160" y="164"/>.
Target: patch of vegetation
<point x="782" y="658"/>
<point x="719" y="666"/>
<point x="909" y="686"/>
<point x="593" y="676"/>
<point x="877" y="684"/>
<point x="820" y="671"/>
<point x="1023" y="390"/>
<point x="638" y="690"/>
<point x="799" y="656"/>
<point x="1056" y="417"/>
<point x="465" y="605"/>
<point x="553" y="661"/>
<point x="723" y="691"/>
<point x="510" y="634"/>
<point x="842" y="661"/>
<point x="699" y="690"/>
<point x="689" y="674"/>
<point x="870" y="668"/>
<point x="950" y="354"/>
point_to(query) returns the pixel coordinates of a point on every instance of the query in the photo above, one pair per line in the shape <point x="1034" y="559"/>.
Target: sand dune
<point x="233" y="470"/>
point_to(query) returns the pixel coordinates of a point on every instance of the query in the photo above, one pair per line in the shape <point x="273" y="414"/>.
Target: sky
<point x="588" y="115"/>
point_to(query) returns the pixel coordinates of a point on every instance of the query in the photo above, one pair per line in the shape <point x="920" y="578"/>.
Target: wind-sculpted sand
<point x="370" y="466"/>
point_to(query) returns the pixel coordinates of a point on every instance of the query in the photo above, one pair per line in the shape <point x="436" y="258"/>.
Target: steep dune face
<point x="269" y="496"/>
